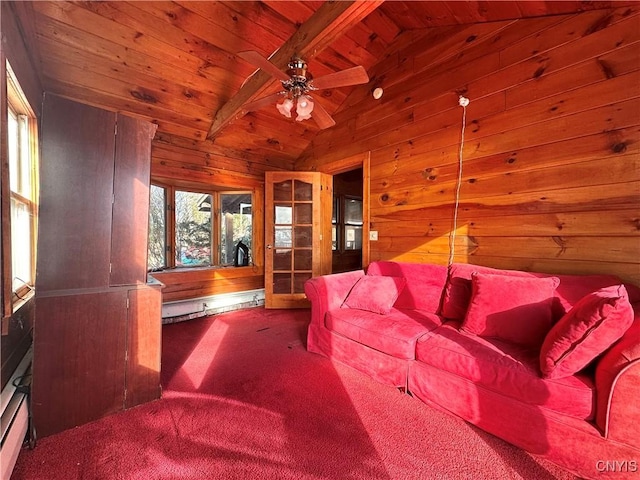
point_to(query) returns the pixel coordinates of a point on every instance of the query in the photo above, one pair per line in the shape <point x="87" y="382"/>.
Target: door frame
<point x="361" y="160"/>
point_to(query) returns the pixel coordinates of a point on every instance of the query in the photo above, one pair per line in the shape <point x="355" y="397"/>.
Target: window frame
<point x="170" y="224"/>
<point x="18" y="106"/>
<point x="341" y="224"/>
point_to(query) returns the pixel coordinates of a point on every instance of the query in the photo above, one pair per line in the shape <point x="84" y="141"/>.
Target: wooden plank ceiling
<point x="175" y="63"/>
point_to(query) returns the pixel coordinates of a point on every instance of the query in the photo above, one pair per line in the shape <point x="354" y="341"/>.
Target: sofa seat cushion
<point x="394" y="334"/>
<point x="505" y="368"/>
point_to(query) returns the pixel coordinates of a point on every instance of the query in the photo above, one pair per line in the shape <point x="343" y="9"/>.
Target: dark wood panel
<point x="79" y="359"/>
<point x="131" y="201"/>
<point x="76" y="190"/>
<point x="144" y="336"/>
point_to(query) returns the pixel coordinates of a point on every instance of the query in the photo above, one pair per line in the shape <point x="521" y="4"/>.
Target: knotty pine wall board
<point x="60" y="20"/>
<point x="604" y="223"/>
<point x="138" y="17"/>
<point x="204" y="282"/>
<point x="155" y="101"/>
<point x="147" y="111"/>
<point x="164" y="154"/>
<point x="490" y="82"/>
<point x="123" y="22"/>
<point x="440" y="144"/>
<point x="550" y="176"/>
<point x="68" y="39"/>
<point x="452" y="47"/>
<point x="442" y="167"/>
<point x="626" y="271"/>
<point x="431" y="81"/>
<point x="608" y="65"/>
<point x="168" y="172"/>
<point x="580" y="27"/>
<point x="209" y="147"/>
<point x="270" y="147"/>
<point x="180" y="93"/>
<point x="220" y="25"/>
<point x="553" y="199"/>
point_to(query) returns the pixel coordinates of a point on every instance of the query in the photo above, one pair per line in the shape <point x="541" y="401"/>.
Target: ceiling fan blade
<point x="350" y="76"/>
<point x="262" y="102"/>
<point x="322" y="117"/>
<point x="258" y="60"/>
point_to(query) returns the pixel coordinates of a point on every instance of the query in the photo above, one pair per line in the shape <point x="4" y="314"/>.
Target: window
<point x="193" y="239"/>
<point x="22" y="148"/>
<point x="157" y="246"/>
<point x="347" y="223"/>
<point x="236" y="225"/>
<point x="190" y="228"/>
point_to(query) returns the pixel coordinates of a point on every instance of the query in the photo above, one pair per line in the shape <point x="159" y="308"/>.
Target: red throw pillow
<point x="514" y="309"/>
<point x="587" y="330"/>
<point x="375" y="293"/>
<point x="457" y="293"/>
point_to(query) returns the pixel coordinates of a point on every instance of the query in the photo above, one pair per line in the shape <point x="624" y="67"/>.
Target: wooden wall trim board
<point x="551" y="176"/>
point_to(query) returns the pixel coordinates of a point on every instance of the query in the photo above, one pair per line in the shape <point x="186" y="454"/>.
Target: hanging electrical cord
<point x="463" y="101"/>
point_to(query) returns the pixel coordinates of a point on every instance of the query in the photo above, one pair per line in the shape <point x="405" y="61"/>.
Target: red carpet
<point x="244" y="399"/>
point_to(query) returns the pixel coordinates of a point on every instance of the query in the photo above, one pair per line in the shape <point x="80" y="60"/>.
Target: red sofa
<point x="506" y="343"/>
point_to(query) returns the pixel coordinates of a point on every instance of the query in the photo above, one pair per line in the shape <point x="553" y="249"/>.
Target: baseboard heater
<point x="15" y="416"/>
<point x="197" y="307"/>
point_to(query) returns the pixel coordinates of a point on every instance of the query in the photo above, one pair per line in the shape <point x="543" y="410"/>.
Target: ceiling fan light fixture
<point x="304" y="107"/>
<point x="297" y="83"/>
<point x="285" y="107"/>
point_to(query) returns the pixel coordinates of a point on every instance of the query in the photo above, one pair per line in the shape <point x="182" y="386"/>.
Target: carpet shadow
<point x="286" y="407"/>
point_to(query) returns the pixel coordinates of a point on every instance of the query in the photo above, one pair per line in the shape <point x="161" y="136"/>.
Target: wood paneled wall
<point x="189" y="163"/>
<point x="550" y="178"/>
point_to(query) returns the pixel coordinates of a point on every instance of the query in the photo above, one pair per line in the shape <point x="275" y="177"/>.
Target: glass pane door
<point x="293" y="234"/>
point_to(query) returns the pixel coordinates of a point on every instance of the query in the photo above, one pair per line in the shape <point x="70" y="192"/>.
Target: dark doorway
<point x="347" y="221"/>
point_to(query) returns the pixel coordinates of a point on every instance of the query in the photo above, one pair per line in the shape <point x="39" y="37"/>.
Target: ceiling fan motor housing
<point x="298" y="83"/>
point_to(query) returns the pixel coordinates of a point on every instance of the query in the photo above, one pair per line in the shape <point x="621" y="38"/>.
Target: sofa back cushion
<point x="424" y="287"/>
<point x="510" y="308"/>
<point x="570" y="290"/>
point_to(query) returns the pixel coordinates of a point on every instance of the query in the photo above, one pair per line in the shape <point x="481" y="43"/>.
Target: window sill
<point x="20" y="301"/>
<point x="198" y="269"/>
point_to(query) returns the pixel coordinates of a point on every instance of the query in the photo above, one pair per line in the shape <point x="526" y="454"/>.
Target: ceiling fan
<point x="297" y="83"/>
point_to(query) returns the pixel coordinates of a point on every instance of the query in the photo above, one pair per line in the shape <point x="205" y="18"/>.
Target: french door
<point x="297" y="234"/>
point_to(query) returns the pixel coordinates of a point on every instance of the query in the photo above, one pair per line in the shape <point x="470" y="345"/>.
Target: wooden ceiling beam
<point x="329" y="22"/>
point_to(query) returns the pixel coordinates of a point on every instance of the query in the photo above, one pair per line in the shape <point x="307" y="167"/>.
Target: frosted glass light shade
<point x="285" y="107"/>
<point x="304" y="107"/>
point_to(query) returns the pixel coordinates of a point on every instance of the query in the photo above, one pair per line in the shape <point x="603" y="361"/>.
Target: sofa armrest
<point x="328" y="292"/>
<point x="617" y="387"/>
